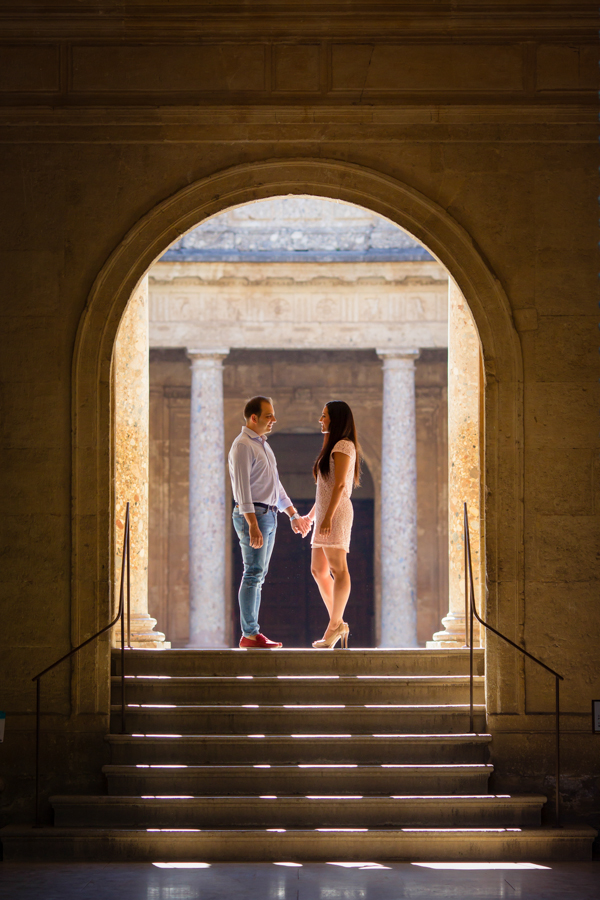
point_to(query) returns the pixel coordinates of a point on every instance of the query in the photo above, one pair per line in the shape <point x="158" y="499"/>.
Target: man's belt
<point x="262" y="505"/>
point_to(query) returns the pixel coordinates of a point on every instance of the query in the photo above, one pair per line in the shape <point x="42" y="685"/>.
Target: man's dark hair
<point x="254" y="406"/>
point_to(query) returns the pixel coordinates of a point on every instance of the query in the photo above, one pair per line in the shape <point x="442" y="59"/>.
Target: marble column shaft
<point x="399" y="500"/>
<point x="132" y="426"/>
<point x="464" y="468"/>
<point x="207" y="501"/>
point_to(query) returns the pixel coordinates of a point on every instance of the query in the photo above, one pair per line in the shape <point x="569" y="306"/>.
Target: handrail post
<point x="126" y="540"/>
<point x="466" y="584"/>
<point x="557" y="767"/>
<point x="38" y="823"/>
<point x="469" y="593"/>
<point x="128" y="582"/>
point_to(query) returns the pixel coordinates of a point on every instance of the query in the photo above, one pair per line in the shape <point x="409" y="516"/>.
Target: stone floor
<point x="314" y="881"/>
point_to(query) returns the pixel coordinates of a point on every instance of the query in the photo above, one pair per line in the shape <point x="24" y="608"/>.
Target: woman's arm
<point x="342" y="467"/>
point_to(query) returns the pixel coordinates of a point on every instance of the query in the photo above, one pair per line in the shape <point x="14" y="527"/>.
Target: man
<point x="258" y="494"/>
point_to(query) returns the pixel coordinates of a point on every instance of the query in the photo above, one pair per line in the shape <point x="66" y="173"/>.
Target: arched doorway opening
<point x="220" y="302"/>
<point x="413" y="211"/>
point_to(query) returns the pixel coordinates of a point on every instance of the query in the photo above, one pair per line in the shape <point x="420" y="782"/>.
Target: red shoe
<point x="260" y="642"/>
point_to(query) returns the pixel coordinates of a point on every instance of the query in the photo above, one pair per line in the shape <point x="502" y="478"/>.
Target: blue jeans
<point x="256" y="565"/>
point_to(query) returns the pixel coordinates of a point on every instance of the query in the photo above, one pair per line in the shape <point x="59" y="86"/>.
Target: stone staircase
<point x="298" y="755"/>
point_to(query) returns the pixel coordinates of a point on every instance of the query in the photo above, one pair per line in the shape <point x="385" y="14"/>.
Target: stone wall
<point x="477" y="133"/>
<point x="300" y="383"/>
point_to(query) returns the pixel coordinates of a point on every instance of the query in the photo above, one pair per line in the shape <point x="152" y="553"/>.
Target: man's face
<point x="263" y="424"/>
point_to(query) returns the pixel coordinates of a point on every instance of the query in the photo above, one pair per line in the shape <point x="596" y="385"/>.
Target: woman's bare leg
<point x="338" y="566"/>
<point x="321" y="572"/>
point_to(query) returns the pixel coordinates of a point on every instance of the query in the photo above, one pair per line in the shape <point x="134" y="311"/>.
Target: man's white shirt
<point x="253" y="472"/>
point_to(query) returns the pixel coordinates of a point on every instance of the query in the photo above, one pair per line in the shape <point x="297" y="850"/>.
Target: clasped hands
<point x="302" y="525"/>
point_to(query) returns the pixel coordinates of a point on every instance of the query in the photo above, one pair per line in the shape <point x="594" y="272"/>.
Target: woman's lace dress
<point x="341" y="525"/>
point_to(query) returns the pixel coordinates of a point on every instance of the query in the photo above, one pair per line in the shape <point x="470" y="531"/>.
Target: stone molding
<point x="560" y="21"/>
<point x="278" y="305"/>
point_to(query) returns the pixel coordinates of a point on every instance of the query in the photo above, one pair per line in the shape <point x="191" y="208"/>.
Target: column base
<point x="143" y="636"/>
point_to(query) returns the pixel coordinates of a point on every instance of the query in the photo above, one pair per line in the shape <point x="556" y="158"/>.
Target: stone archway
<point x="443" y="236"/>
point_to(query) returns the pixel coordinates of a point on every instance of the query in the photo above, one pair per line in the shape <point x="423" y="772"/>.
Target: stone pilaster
<point x="207" y="501"/>
<point x="398" y="500"/>
<point x="464" y="472"/>
<point x="132" y="402"/>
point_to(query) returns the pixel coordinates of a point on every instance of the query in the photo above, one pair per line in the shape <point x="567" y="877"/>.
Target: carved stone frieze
<point x="310" y="306"/>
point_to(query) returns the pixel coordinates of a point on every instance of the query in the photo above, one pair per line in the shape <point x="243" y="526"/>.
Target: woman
<point x="336" y="471"/>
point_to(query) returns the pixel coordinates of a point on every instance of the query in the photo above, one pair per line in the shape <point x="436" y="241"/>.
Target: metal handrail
<point x="125" y="564"/>
<point x="470" y="602"/>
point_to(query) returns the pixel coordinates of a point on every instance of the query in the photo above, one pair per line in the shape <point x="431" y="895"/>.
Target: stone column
<point x="132" y="405"/>
<point x="207" y="501"/>
<point x="464" y="473"/>
<point x="399" y="500"/>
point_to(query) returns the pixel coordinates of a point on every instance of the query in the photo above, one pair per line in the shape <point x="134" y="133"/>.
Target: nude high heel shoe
<point x="340" y="633"/>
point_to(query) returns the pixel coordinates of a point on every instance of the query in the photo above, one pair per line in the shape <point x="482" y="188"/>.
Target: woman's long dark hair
<point x="341" y="427"/>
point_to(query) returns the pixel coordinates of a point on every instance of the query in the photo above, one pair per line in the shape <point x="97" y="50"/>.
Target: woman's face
<point x="325" y="420"/>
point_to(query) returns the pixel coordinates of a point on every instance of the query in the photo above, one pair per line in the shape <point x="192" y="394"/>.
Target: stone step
<point x="312" y="778"/>
<point x="297" y="719"/>
<point x="410" y="844"/>
<point x="297" y="812"/>
<point x="227" y="749"/>
<point x="273" y="690"/>
<point x="298" y="662"/>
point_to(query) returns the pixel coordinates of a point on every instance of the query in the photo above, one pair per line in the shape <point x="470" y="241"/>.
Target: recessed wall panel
<point x="426" y="67"/>
<point x="168" y="68"/>
<point x="30" y="69"/>
<point x="296" y="67"/>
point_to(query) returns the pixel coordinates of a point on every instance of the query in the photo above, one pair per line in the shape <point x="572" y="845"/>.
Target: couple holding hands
<point x="258" y="495"/>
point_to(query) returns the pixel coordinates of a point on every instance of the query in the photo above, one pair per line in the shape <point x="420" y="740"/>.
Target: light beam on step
<point x="465" y="866"/>
<point x="444" y="796"/>
<point x="154" y="705"/>
<point x="295" y="865"/>
<point x="358" y="865"/>
<point x="460" y="830"/>
<point x="162" y="735"/>
<point x="183" y="865"/>
<point x="321" y="735"/>
<point x="314" y="706"/>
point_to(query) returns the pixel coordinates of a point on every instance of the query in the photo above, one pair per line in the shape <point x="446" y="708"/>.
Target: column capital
<point x="207" y="358"/>
<point x="398" y="355"/>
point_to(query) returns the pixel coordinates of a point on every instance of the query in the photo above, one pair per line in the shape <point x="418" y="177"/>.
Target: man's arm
<point x="240" y="459"/>
<point x="284" y="504"/>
